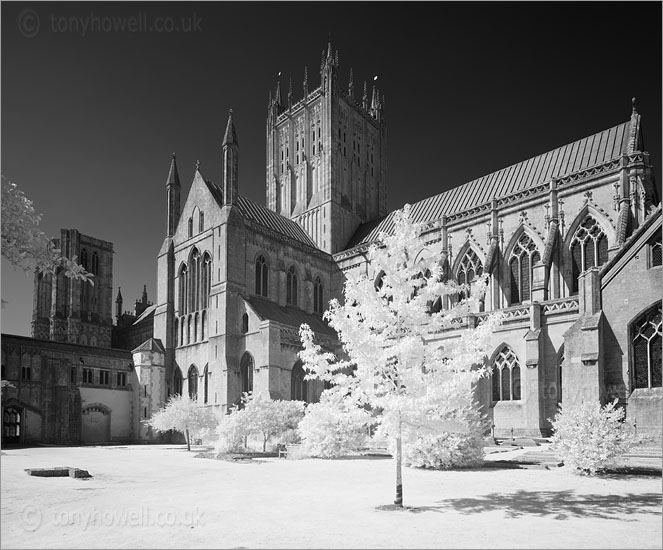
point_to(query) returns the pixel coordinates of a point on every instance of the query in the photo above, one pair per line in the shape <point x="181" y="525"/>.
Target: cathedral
<point x="570" y="241"/>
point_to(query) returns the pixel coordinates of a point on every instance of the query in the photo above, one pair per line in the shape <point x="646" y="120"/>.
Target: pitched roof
<point x="148" y="312"/>
<point x="286" y="315"/>
<point x="271" y="220"/>
<point x="582" y="154"/>
<point x="261" y="215"/>
<point x="153" y="344"/>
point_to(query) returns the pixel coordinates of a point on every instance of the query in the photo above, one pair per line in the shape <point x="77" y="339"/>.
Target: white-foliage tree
<point x="271" y="418"/>
<point x="586" y="435"/>
<point x="183" y="415"/>
<point x="395" y="358"/>
<point x="26" y="246"/>
<point x="334" y="426"/>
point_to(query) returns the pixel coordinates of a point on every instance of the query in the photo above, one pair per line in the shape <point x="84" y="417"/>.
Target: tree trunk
<point x="399" y="460"/>
<point x="264" y="443"/>
<point x="188" y="442"/>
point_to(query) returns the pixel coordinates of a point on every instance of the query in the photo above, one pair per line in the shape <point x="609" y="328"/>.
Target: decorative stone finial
<point x="197" y="164"/>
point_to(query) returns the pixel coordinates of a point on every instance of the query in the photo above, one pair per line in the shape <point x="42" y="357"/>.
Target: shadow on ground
<point x="558" y="504"/>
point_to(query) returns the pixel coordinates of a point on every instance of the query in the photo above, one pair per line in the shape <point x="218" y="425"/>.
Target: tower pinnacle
<point x="230" y="162"/>
<point x="173" y="189"/>
<point x="230" y="137"/>
<point x="351" y="85"/>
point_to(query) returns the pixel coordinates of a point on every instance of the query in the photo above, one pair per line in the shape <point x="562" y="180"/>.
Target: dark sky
<point x="91" y="113"/>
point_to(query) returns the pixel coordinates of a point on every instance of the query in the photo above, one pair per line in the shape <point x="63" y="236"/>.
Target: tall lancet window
<point x="523" y="257"/>
<point x="183" y="292"/>
<point x="246" y="372"/>
<point x="291" y="286"/>
<point x="589" y="248"/>
<point x="261" y="276"/>
<point x="194" y="280"/>
<point x="206" y="278"/>
<point x="318" y="303"/>
<point x="193" y="383"/>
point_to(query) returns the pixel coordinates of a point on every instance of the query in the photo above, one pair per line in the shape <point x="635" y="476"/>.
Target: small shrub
<point x="232" y="432"/>
<point x="586" y="435"/>
<point x="183" y="415"/>
<point x="443" y="451"/>
<point x="260" y="419"/>
<point x="333" y="427"/>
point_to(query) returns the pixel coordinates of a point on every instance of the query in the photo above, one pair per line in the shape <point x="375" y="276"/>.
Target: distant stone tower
<point x="73" y="311"/>
<point x="326" y="157"/>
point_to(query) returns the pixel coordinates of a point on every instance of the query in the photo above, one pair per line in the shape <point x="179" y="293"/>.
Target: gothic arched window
<point x="205" y="384"/>
<point x="291" y="286"/>
<point x="245" y="323"/>
<point x="95" y="262"/>
<point x="655" y="250"/>
<point x="193" y="382"/>
<point x="523" y="257"/>
<point x="206" y="280"/>
<point x="194" y="280"/>
<point x="505" y="375"/>
<point x="646" y="349"/>
<point x="84" y="259"/>
<point x="201" y="222"/>
<point x="203" y="325"/>
<point x="317" y="295"/>
<point x="183" y="289"/>
<point x="589" y="248"/>
<point x="261" y="276"/>
<point x="298" y="385"/>
<point x="469" y="269"/>
<point x="560" y="368"/>
<point x="190" y="227"/>
<point x="246" y="372"/>
<point x="177" y="332"/>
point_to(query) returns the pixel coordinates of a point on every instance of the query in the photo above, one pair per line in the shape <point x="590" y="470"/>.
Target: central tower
<point x="326" y="161"/>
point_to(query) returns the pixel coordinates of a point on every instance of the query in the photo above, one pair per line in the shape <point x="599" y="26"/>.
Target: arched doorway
<point x="96" y="424"/>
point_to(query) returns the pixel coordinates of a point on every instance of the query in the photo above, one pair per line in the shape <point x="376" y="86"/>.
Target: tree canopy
<point x="398" y="356"/>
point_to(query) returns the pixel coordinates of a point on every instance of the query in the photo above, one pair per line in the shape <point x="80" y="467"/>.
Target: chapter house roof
<point x="594" y="150"/>
<point x="290" y="316"/>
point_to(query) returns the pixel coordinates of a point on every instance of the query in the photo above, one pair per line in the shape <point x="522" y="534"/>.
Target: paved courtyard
<point x="165" y="497"/>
